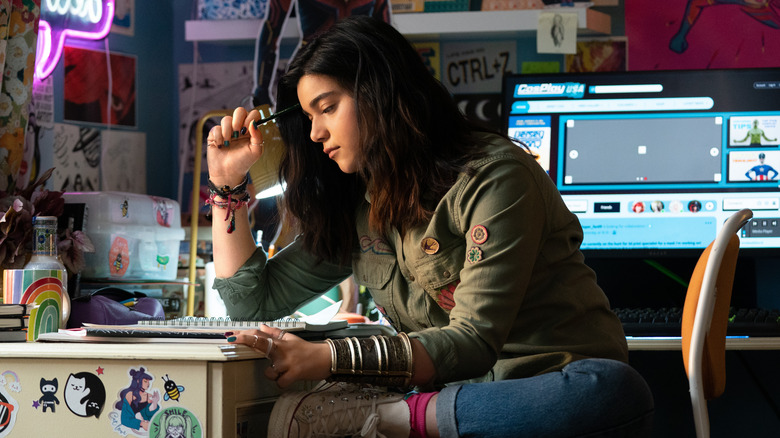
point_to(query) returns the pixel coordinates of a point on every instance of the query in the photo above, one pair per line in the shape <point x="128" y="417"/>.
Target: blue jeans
<point x="589" y="397"/>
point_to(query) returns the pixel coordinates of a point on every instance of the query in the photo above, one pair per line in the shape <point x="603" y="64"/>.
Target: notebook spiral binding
<point x="201" y="321"/>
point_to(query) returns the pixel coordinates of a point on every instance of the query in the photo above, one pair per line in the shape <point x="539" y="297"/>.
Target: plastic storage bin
<point x="136" y="237"/>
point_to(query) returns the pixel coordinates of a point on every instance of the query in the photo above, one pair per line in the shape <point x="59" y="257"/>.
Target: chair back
<point x="705" y="318"/>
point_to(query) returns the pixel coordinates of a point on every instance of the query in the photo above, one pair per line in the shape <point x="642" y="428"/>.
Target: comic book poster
<point x="598" y="54"/>
<point x="703" y="34"/>
<point x="87" y="97"/>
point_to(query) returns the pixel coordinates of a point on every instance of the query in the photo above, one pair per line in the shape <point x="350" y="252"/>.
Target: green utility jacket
<point x="494" y="287"/>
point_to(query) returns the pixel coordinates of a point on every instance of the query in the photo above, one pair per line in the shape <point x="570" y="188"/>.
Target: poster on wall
<point x="87" y="94"/>
<point x="214" y="86"/>
<point x="76" y="158"/>
<point x="123" y="161"/>
<point x="598" y="54"/>
<point x="477" y="67"/>
<point x="703" y="34"/>
<point x="473" y="73"/>
<point x="556" y="33"/>
<point x="124" y="17"/>
<point x="430" y="52"/>
<point x="40" y="118"/>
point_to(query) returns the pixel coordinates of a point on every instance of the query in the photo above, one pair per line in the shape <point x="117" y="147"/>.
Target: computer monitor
<point x="654" y="162"/>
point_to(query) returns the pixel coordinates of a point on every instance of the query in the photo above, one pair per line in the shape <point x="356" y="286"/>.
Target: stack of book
<point x="14" y="319"/>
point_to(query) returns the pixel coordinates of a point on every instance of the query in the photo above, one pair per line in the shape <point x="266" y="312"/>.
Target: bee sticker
<point x="118" y="257"/>
<point x="124" y="208"/>
<point x="172" y="390"/>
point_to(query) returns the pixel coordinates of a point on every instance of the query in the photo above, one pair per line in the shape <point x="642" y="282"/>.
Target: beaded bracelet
<point x="225" y="191"/>
<point x="378" y="360"/>
<point x="234" y="199"/>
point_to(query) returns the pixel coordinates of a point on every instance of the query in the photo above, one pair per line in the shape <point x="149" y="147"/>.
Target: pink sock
<point x="418" y="403"/>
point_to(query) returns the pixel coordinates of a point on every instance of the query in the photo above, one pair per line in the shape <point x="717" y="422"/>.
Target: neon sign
<point x="61" y="19"/>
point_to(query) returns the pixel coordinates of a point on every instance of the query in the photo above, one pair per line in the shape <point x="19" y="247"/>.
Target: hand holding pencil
<point x="234" y="145"/>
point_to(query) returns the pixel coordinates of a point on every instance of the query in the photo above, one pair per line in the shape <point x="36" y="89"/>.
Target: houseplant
<point x="18" y="207"/>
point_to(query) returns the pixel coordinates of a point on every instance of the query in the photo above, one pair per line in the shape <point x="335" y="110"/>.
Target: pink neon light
<point x="44" y="62"/>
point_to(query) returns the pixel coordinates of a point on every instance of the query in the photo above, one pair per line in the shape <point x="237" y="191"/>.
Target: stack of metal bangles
<point x="378" y="360"/>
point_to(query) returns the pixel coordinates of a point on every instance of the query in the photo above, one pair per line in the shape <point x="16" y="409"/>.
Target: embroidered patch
<point x="445" y="298"/>
<point x="377" y="246"/>
<point x="430" y="245"/>
<point x="474" y="255"/>
<point x="479" y="234"/>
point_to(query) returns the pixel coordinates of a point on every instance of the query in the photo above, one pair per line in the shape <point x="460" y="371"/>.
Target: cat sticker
<point x="85" y="394"/>
<point x="48" y="400"/>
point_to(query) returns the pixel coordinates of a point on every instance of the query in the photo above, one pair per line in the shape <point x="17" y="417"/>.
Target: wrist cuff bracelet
<point x="379" y="360"/>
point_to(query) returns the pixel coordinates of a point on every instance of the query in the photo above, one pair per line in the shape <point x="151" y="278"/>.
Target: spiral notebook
<point x="188" y="329"/>
<point x="195" y="329"/>
<point x="227" y="324"/>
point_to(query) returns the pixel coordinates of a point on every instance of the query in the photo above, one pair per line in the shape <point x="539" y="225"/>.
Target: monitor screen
<point x="654" y="162"/>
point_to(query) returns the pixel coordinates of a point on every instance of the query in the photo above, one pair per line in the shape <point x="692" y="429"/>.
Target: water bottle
<point x="45" y="257"/>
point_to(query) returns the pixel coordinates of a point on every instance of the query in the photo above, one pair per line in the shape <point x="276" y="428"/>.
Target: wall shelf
<point x="414" y="25"/>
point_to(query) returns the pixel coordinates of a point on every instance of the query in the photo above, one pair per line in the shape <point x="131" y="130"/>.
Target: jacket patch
<point x="430" y="245"/>
<point x="377" y="246"/>
<point x="479" y="234"/>
<point x="474" y="255"/>
<point x="446" y="296"/>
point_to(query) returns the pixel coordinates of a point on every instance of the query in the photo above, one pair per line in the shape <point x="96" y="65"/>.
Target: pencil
<point x="275" y="115"/>
<point x="237" y="135"/>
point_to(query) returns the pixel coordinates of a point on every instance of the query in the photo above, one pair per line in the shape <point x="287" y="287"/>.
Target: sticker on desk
<point x="136" y="404"/>
<point x="175" y="422"/>
<point x="9" y="408"/>
<point x="48" y="399"/>
<point x="11" y="381"/>
<point x="85" y="394"/>
<point x="172" y="390"/>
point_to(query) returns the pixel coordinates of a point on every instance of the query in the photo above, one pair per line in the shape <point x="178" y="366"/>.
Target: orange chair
<point x="705" y="319"/>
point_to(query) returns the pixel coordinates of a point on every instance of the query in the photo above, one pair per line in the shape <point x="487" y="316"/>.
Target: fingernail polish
<point x="235" y="134"/>
<point x="231" y="339"/>
<point x="254" y="124"/>
<point x="228" y="334"/>
<point x="243" y="130"/>
<point x="226" y="143"/>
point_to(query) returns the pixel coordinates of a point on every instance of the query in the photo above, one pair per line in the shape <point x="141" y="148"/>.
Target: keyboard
<point x="643" y="322"/>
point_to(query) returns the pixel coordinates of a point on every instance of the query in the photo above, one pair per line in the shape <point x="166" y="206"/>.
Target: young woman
<point x="462" y="240"/>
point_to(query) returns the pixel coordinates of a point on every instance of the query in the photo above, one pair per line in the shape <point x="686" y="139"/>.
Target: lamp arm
<point x="194" y="214"/>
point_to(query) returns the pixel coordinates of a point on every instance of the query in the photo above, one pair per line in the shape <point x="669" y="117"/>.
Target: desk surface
<point x="162" y="351"/>
<point x="676" y="343"/>
<point x="231" y="352"/>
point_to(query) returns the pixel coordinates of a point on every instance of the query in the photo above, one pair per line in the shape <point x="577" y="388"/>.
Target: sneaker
<point x="337" y="409"/>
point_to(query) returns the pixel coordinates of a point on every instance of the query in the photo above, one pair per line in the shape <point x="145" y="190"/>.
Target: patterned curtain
<point x="18" y="39"/>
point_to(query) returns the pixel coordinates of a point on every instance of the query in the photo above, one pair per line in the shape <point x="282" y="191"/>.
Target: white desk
<point x="221" y="389"/>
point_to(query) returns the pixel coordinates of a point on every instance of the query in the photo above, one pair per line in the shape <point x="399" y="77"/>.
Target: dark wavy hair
<point x="414" y="139"/>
